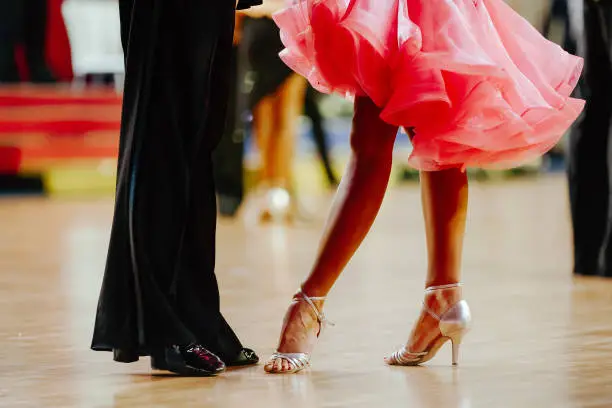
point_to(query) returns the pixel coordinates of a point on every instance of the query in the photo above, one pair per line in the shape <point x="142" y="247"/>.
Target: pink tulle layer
<point x="479" y="85"/>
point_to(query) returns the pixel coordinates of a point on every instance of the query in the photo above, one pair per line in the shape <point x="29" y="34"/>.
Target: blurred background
<point x="61" y="73"/>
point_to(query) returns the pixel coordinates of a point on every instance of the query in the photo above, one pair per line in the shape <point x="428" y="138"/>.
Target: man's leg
<point x="229" y="154"/>
<point x="134" y="312"/>
<point x="194" y="283"/>
<point x="159" y="287"/>
<point x="605" y="13"/>
<point x="587" y="167"/>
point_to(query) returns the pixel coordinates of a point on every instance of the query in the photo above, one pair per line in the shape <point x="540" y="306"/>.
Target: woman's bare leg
<point x="350" y="220"/>
<point x="264" y="129"/>
<point x="445" y="201"/>
<point x="445" y="198"/>
<point x="278" y="116"/>
<point x="290" y="104"/>
<point x="275" y="120"/>
<point x="352" y="215"/>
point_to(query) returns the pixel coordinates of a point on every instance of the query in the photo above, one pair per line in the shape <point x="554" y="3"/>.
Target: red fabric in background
<point x="58" y="45"/>
<point x="10" y="160"/>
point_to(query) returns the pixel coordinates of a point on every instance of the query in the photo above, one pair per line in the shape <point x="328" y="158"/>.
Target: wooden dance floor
<point x="541" y="338"/>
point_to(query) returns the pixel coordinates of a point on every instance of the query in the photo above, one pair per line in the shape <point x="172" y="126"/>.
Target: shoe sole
<point x="181" y="368"/>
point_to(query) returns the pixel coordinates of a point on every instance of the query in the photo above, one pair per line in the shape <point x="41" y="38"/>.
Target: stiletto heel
<point x="456" y="343"/>
<point x="453" y="325"/>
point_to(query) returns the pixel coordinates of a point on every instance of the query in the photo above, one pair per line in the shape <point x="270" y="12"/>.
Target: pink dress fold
<point x="478" y="84"/>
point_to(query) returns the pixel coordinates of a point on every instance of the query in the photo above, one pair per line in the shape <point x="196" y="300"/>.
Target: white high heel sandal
<point x="299" y="361"/>
<point x="453" y="325"/>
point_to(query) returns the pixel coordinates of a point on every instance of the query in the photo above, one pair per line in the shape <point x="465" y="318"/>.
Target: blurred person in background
<point x="24" y="23"/>
<point x="228" y="157"/>
<point x="559" y="11"/>
<point x="557" y="18"/>
<point x="159" y="294"/>
<point x="590" y="144"/>
<point x="277" y="102"/>
<point x="229" y="154"/>
<point x="320" y="139"/>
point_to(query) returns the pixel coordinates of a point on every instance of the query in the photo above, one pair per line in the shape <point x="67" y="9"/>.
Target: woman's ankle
<point x="441" y="281"/>
<point x="440" y="300"/>
<point x="313" y="291"/>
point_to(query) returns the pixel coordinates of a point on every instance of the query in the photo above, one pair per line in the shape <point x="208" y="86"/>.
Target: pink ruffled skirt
<point x="477" y="83"/>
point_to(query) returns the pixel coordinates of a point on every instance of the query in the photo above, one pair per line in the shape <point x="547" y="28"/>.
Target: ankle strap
<point x="442" y="287"/>
<point x="320" y="316"/>
<point x="435" y="288"/>
<point x="305" y="296"/>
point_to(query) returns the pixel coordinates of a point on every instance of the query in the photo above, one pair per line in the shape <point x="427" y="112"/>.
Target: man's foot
<point x="301" y="328"/>
<point x="192" y="360"/>
<point x="245" y="357"/>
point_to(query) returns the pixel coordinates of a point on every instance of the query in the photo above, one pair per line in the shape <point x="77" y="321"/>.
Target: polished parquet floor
<point x="541" y="337"/>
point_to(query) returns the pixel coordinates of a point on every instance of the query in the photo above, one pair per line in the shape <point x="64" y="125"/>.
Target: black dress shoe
<point x="193" y="360"/>
<point x="245" y="357"/>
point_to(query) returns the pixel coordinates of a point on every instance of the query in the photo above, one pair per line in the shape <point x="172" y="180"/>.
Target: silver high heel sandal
<point x="299" y="361"/>
<point x="453" y="325"/>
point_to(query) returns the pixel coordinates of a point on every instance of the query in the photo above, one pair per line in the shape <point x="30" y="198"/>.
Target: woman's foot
<point x="302" y="326"/>
<point x="445" y="316"/>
